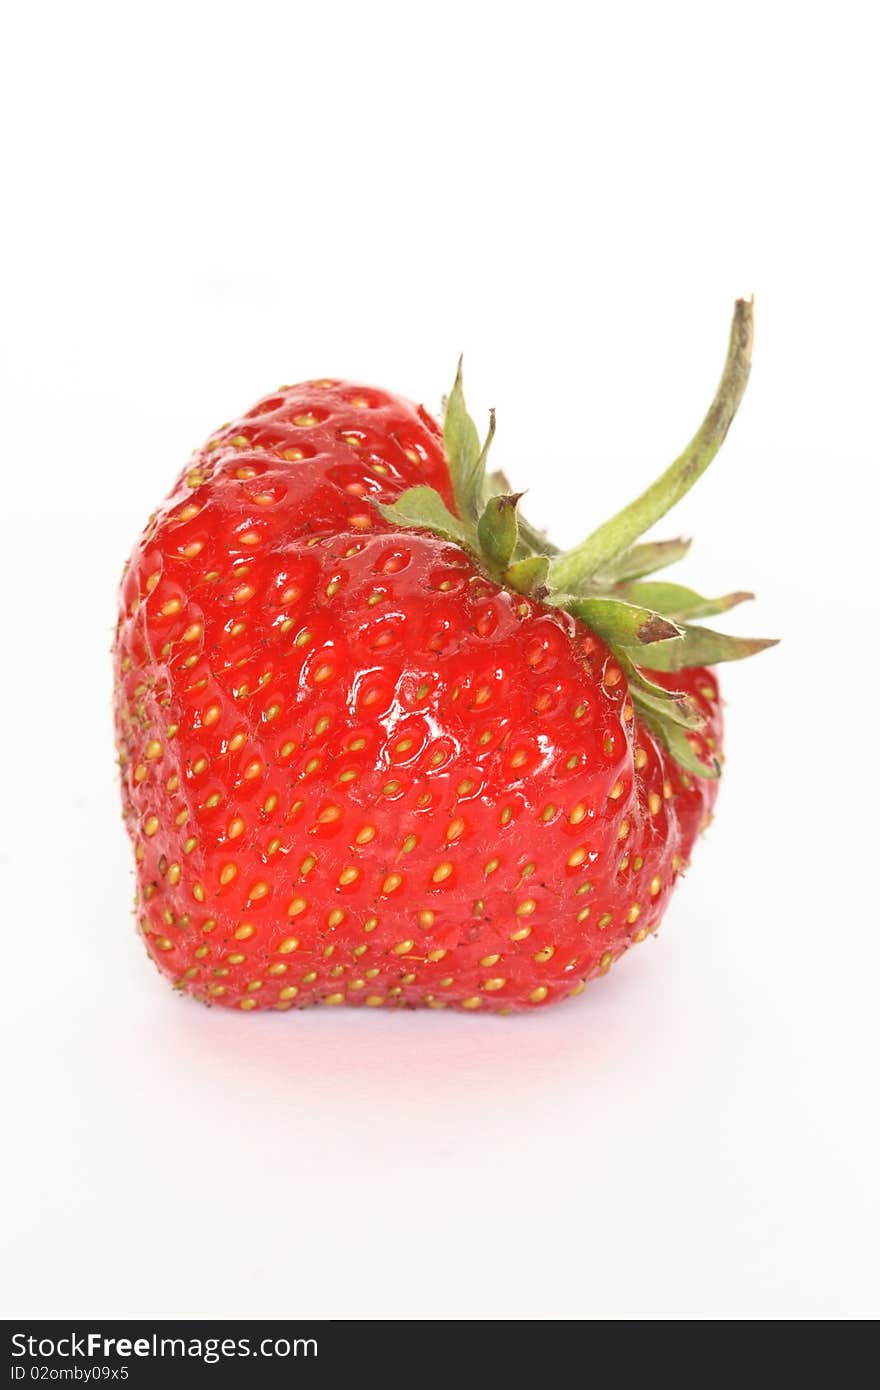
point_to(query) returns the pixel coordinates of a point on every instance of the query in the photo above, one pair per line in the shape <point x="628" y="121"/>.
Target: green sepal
<point x="467" y="460"/>
<point x="676" y="741"/>
<point x="480" y="470"/>
<point x="620" y="624"/>
<point x="423" y="508"/>
<point x="679" y="603"/>
<point x="462" y="444"/>
<point x="672" y="706"/>
<point x="531" y="540"/>
<point x="701" y="646"/>
<point x="529" y="576"/>
<point x="498" y="531"/>
<point x="645" y="559"/>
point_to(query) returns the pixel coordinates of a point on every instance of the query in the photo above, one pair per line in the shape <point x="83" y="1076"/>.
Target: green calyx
<point x="603" y="581"/>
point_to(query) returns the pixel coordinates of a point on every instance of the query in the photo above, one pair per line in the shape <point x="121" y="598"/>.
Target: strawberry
<point x="380" y="742"/>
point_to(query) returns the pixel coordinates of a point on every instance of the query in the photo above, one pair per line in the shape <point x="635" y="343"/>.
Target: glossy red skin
<point x="344" y="736"/>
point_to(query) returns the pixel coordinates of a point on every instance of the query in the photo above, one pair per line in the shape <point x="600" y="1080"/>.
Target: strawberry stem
<point x="575" y="567"/>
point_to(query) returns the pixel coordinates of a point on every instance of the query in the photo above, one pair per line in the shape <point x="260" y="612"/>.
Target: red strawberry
<point x="380" y="743"/>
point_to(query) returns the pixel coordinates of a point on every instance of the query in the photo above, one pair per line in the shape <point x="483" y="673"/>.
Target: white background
<point x="205" y="200"/>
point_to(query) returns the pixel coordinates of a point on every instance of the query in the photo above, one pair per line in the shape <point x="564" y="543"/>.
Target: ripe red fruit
<point x="380" y="743"/>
